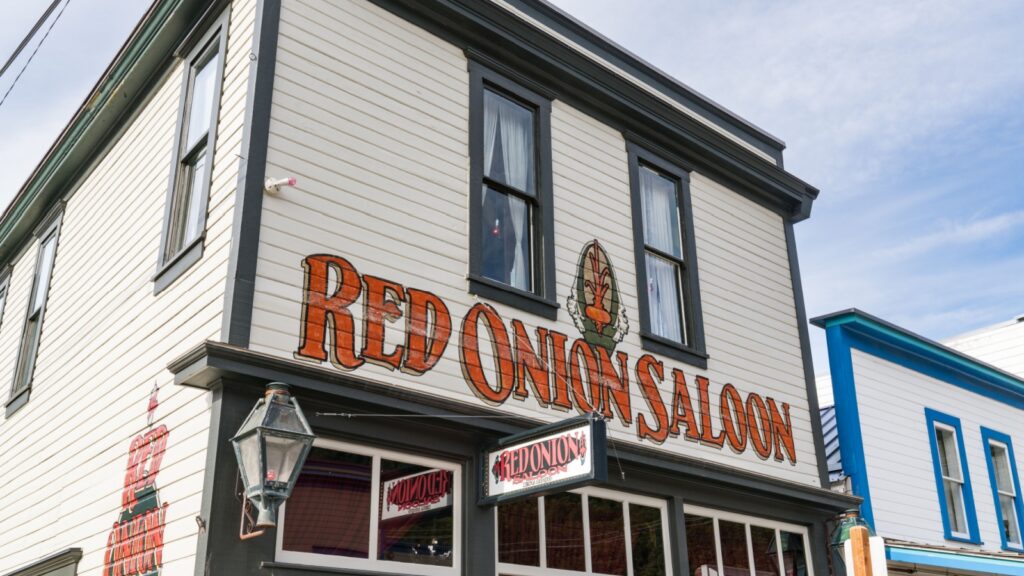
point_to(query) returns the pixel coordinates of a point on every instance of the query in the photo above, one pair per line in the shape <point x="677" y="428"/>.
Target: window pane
<point x="607" y="536"/>
<point x="519" y="533"/>
<point x="1001" y="463"/>
<point x="202" y="102"/>
<point x="949" y="458"/>
<point x="45" y="269"/>
<point x="794" y="558"/>
<point x="954" y="505"/>
<point x="766" y="554"/>
<point x="416" y="515"/>
<point x="661" y="212"/>
<point x="646" y="537"/>
<point x="1011" y="530"/>
<point x="194" y="205"/>
<point x="329" y="509"/>
<point x="508" y="142"/>
<point x="505" y="239"/>
<point x="733" y="539"/>
<point x="700" y="545"/>
<point x="563" y="528"/>
<point x="663" y="298"/>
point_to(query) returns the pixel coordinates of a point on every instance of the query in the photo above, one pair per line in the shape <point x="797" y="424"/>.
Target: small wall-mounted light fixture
<point x="274" y="185"/>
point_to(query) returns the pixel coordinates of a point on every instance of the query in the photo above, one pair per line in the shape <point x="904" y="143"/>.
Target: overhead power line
<point x="28" y="37"/>
<point x="33" y="54"/>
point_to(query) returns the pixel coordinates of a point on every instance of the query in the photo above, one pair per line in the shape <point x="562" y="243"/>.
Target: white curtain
<point x="661" y="230"/>
<point x="513" y="124"/>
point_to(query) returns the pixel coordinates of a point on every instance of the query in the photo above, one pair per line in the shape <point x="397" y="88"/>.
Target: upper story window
<point x="25" y="367"/>
<point x="511" y="221"/>
<point x="952" y="477"/>
<point x="720" y="542"/>
<point x="589" y="531"/>
<point x="185" y="213"/>
<point x="357" y="507"/>
<point x="1002" y="470"/>
<point x="666" y="258"/>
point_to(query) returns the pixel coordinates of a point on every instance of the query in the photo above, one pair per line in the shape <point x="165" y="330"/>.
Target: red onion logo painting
<point x="594" y="302"/>
<point x="546" y="458"/>
<point x="417" y="493"/>
<point x="136" y="542"/>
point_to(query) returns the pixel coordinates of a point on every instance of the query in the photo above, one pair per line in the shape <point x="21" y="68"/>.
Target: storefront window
<point x="725" y="544"/>
<point x="358" y="507"/>
<point x="590" y="531"/>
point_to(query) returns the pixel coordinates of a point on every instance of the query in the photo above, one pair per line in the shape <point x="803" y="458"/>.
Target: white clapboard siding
<point x="897" y="452"/>
<point x="107" y="339"/>
<point x="370" y="114"/>
<point x="1001" y="345"/>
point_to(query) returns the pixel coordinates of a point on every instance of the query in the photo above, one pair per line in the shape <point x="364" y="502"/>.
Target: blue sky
<point x="908" y="115"/>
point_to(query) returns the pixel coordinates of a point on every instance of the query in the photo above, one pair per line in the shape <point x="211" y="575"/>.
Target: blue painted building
<point x="926" y="435"/>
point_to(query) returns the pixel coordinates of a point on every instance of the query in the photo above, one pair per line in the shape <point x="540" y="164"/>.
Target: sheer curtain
<point x="661" y="231"/>
<point x="511" y="126"/>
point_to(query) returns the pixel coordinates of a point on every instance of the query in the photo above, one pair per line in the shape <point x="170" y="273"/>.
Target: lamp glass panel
<point x="282" y="455"/>
<point x="249" y="447"/>
<point x="284" y="417"/>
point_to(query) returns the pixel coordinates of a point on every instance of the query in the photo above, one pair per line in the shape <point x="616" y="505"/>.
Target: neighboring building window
<point x="589" y="531"/>
<point x="357" y="507"/>
<point x="511" y="221"/>
<point x="185" y="216"/>
<point x="952" y="478"/>
<point x="1002" y="471"/>
<point x="4" y="283"/>
<point x="724" y="543"/>
<point x="25" y="367"/>
<point x="666" y="258"/>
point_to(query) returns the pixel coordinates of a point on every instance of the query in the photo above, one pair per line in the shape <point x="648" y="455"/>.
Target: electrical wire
<point x="33" y="54"/>
<point x="28" y="37"/>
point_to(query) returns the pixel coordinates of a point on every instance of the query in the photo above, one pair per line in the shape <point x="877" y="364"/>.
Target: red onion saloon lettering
<point x="560" y="375"/>
<point x="420" y="490"/>
<point x="540" y="459"/>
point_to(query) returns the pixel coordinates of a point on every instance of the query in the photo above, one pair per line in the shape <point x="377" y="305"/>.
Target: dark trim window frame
<point x="540" y="299"/>
<point x="689" y="348"/>
<point x="188" y="194"/>
<point x="46" y="257"/>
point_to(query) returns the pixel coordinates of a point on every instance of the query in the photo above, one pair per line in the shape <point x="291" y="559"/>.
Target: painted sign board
<point x="552" y="458"/>
<point x="416" y="493"/>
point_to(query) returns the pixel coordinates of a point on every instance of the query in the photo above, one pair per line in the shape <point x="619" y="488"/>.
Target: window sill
<point x="175" y="267"/>
<point x="525" y="301"/>
<point x="17" y="401"/>
<point x="285" y="569"/>
<point x="673" y="350"/>
<point x="963" y="539"/>
<point x="1014" y="549"/>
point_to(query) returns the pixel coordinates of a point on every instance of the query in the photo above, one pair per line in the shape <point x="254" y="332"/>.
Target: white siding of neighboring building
<point x="1001" y="346"/>
<point x="370" y="113"/>
<point x="897" y="452"/>
<point x="823" y="382"/>
<point x="107" y="339"/>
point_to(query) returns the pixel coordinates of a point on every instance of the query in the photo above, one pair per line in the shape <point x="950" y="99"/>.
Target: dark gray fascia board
<point x="585" y="36"/>
<point x="126" y="83"/>
<point x="49" y="563"/>
<point x="517" y="48"/>
<point x="214" y="364"/>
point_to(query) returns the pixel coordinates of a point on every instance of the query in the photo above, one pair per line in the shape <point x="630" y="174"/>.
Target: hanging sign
<point x="417" y="493"/>
<point x="553" y="458"/>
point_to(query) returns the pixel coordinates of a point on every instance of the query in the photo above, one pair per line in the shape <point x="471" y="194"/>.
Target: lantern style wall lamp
<point x="841" y="534"/>
<point x="271" y="446"/>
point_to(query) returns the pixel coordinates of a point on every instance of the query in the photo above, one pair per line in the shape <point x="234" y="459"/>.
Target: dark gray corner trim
<point x="805" y="352"/>
<point x="213" y="364"/>
<point x="593" y="41"/>
<point x="245" y="227"/>
<point x="491" y="31"/>
<point x="47" y="564"/>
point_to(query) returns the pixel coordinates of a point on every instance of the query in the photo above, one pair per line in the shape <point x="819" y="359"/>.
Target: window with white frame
<point x="952" y="478"/>
<point x="588" y="531"/>
<point x="365" y="508"/>
<point x="725" y="544"/>
<point x="1002" y="470"/>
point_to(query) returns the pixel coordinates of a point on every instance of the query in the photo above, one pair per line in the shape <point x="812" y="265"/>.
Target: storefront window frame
<point x="626" y="498"/>
<point x="747" y="521"/>
<point x="373" y="564"/>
